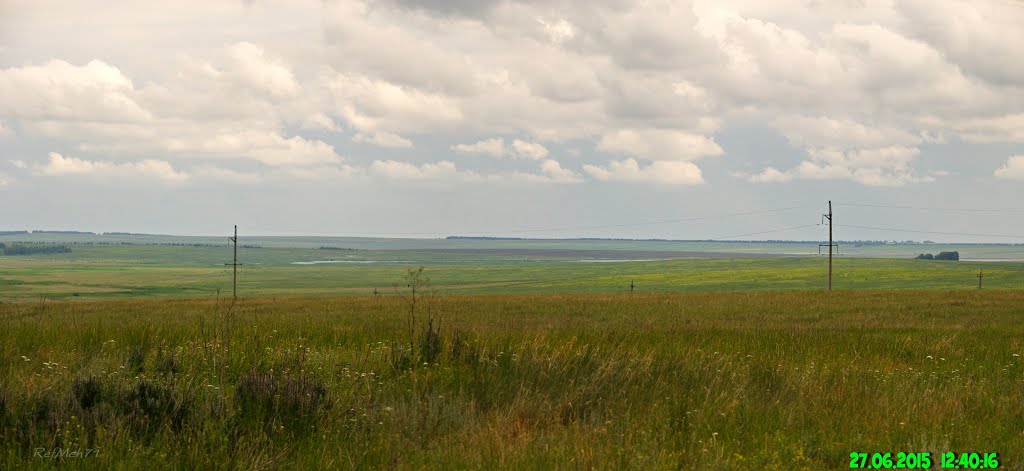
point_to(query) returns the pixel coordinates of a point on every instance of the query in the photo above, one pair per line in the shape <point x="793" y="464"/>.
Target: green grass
<point x="115" y="271"/>
<point x="744" y="380"/>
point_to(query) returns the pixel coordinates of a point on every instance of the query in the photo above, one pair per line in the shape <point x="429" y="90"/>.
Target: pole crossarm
<point x="830" y="243"/>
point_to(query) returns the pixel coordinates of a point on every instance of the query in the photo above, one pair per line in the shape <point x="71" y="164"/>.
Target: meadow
<point x="101" y="271"/>
<point x="746" y="380"/>
<point x="531" y="356"/>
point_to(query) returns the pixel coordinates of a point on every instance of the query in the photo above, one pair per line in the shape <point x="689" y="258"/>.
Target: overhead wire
<point x="588" y="227"/>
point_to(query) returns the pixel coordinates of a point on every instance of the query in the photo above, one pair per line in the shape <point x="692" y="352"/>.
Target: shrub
<point x="87" y="392"/>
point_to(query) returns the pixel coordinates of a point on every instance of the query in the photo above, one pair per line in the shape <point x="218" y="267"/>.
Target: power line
<point x="602" y="226"/>
<point x="765" y="231"/>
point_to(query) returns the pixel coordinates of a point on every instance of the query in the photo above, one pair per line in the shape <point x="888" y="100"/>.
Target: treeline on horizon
<point x="33" y="249"/>
<point x="954" y="256"/>
<point x="766" y="241"/>
<point x="100" y="242"/>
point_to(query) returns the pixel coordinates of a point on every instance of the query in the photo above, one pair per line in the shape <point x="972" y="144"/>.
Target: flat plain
<point x="544" y="362"/>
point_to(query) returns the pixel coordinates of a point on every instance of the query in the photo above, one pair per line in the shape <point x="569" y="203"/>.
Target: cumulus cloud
<point x="269" y="148"/>
<point x="252" y="66"/>
<point x="443" y="171"/>
<point x="859" y="86"/>
<point x="58" y="90"/>
<point x="370" y="104"/>
<point x="1005" y="128"/>
<point x="663" y="172"/>
<point x="553" y="170"/>
<point x="320" y="122"/>
<point x="529" y="150"/>
<point x="659" y="144"/>
<point x="495" y="147"/>
<point x="59" y="165"/>
<point x="383" y="139"/>
<point x="823" y="131"/>
<point x="886" y="166"/>
<point x="1013" y="169"/>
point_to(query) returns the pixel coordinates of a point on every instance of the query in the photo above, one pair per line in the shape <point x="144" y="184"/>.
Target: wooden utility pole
<point x="830" y="244"/>
<point x="234" y="266"/>
<point x="980" y="276"/>
<point x="631" y="286"/>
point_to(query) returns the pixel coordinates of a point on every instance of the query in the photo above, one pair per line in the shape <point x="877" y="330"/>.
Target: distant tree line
<point x="336" y="248"/>
<point x="175" y="244"/>
<point x="13" y="232"/>
<point x="954" y="256"/>
<point x="33" y="249"/>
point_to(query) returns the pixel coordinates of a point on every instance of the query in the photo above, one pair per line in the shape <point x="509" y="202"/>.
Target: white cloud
<point x="19" y="164"/>
<point x="383" y="139"/>
<point x="1013" y="169"/>
<point x="58" y="90"/>
<point x="320" y="122"/>
<point x="443" y="171"/>
<point x="559" y="30"/>
<point x="885" y="166"/>
<point x="5" y="179"/>
<point x="494" y="147"/>
<point x="529" y="150"/>
<point x="664" y="172"/>
<point x="252" y="66"/>
<point x="553" y="170"/>
<point x="59" y="165"/>
<point x="771" y="175"/>
<point x="4" y="131"/>
<point x="369" y="105"/>
<point x="659" y="144"/>
<point x="269" y="148"/>
<point x="1005" y="128"/>
<point x="823" y="131"/>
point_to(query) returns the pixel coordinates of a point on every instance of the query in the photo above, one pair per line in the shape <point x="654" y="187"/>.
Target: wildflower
<point x="1016" y="354"/>
<point x="23" y="357"/>
<point x="929" y="357"/>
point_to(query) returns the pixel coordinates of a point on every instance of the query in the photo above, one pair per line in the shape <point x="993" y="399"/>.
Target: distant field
<point x="110" y="270"/>
<point x="725" y="356"/>
<point x="761" y="380"/>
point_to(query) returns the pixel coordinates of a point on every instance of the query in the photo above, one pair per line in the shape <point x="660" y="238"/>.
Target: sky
<point x="733" y="119"/>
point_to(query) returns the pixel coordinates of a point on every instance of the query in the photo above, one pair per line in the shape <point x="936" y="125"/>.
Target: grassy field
<point x="133" y="271"/>
<point x="776" y="380"/>
<point x="516" y="354"/>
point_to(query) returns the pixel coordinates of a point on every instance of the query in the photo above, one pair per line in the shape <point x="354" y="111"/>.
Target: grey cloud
<point x="470" y="8"/>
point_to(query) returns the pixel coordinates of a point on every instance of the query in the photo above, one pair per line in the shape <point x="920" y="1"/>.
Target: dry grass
<point x="710" y="380"/>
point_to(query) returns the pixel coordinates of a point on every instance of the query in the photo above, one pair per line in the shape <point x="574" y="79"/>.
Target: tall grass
<point x="729" y="381"/>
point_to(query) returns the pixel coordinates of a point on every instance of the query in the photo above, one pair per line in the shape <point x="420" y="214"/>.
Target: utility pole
<point x="830" y="244"/>
<point x="631" y="286"/>
<point x="234" y="266"/>
<point x="980" y="276"/>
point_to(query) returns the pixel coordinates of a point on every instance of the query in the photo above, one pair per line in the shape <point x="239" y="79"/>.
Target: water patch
<point x="616" y="260"/>
<point x="319" y="262"/>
